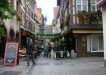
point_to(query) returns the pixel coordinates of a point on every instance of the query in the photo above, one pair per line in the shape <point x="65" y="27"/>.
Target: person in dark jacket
<point x="49" y="49"/>
<point x="29" y="52"/>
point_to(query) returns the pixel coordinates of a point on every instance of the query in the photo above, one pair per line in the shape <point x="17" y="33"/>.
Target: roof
<point x="101" y="4"/>
<point x="87" y="27"/>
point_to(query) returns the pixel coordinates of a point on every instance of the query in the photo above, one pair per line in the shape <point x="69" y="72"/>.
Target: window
<point x="81" y="5"/>
<point x="85" y="2"/>
<point x="78" y="7"/>
<point x="93" y="8"/>
<point x="93" y="1"/>
<point x="100" y="42"/>
<point x="93" y="4"/>
<point x="96" y="43"/>
<point x="85" y="7"/>
<point x="78" y="1"/>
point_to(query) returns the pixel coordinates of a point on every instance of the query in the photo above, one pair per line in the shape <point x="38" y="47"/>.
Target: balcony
<point x="90" y="17"/>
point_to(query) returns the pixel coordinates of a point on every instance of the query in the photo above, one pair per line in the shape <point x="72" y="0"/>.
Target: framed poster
<point x="11" y="51"/>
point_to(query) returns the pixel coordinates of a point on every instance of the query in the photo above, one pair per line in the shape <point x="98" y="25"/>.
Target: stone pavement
<point x="51" y="66"/>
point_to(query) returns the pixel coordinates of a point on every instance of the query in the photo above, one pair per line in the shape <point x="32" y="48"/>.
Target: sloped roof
<point x="101" y="4"/>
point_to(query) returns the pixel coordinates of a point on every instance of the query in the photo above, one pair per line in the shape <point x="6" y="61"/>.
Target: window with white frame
<point x="83" y="5"/>
<point x="97" y="43"/>
<point x="93" y="5"/>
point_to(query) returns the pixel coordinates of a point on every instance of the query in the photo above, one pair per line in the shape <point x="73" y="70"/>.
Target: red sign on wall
<point x="11" y="51"/>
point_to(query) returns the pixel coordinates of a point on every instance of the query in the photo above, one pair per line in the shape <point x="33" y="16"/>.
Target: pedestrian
<point x="49" y="49"/>
<point x="35" y="49"/>
<point x="46" y="50"/>
<point x="29" y="52"/>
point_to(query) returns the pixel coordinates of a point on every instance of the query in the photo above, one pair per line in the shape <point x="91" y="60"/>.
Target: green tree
<point x="6" y="12"/>
<point x="1" y="31"/>
<point x="5" y="9"/>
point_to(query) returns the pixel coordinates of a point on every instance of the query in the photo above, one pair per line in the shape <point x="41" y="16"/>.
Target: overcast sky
<point x="47" y="8"/>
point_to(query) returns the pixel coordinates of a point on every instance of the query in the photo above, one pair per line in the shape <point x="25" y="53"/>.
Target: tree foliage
<point x="90" y="17"/>
<point x="1" y="31"/>
<point x="5" y="9"/>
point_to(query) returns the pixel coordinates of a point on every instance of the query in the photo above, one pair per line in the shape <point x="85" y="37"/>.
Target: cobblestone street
<point x="50" y="66"/>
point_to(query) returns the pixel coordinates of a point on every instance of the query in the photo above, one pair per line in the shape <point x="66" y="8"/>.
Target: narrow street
<point x="71" y="33"/>
<point x="51" y="66"/>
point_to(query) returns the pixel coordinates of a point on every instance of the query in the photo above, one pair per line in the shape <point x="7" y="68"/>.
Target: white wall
<point x="104" y="30"/>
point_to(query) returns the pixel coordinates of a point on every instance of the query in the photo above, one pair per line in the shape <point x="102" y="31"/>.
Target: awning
<point x="26" y="33"/>
<point x="86" y="27"/>
<point x="87" y="31"/>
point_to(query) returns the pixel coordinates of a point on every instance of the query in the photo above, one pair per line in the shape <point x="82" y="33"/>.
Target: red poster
<point x="10" y="58"/>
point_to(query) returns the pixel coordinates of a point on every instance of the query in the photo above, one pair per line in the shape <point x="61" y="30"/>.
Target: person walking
<point x="29" y="52"/>
<point x="49" y="49"/>
<point x="46" y="50"/>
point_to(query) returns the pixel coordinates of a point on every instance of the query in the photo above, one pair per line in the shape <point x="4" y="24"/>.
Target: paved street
<point x="50" y="66"/>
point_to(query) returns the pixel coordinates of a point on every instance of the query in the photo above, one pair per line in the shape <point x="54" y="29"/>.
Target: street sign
<point x="10" y="58"/>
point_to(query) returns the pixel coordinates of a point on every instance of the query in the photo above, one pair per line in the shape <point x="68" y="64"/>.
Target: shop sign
<point x="11" y="51"/>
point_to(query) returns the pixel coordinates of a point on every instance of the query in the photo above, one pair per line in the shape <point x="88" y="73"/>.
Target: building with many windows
<point x="81" y="26"/>
<point x="21" y="26"/>
<point x="27" y="27"/>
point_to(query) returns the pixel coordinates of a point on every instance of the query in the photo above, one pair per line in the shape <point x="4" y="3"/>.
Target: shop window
<point x="97" y="43"/>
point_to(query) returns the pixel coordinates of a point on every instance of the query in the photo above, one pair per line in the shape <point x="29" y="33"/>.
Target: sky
<point x="47" y="8"/>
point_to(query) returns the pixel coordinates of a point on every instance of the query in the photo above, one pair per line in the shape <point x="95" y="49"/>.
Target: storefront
<point x="25" y="35"/>
<point x="89" y="40"/>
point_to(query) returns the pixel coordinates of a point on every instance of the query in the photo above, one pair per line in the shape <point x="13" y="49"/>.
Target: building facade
<point x="11" y="29"/>
<point x="39" y="20"/>
<point x="56" y="21"/>
<point x="27" y="27"/>
<point x="21" y="26"/>
<point x="81" y="34"/>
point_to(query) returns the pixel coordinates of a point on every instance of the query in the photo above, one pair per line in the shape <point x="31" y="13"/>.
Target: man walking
<point x="29" y="52"/>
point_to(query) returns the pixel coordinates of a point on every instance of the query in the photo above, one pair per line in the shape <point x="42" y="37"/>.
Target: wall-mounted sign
<point x="10" y="57"/>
